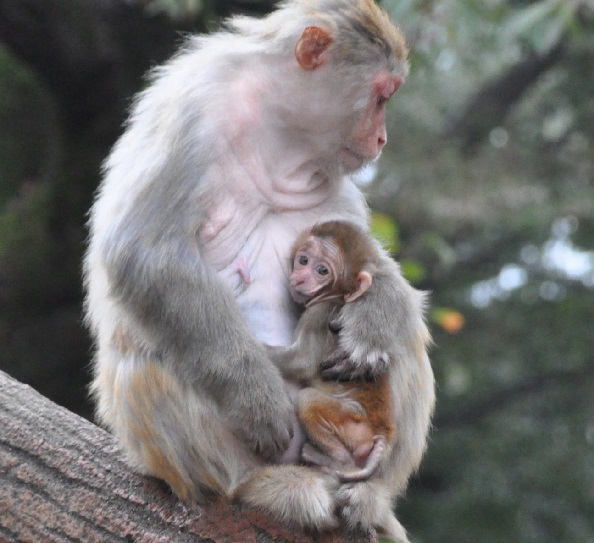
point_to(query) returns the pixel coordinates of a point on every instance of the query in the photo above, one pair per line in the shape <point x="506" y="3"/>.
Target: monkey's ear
<point x="364" y="281"/>
<point x="310" y="50"/>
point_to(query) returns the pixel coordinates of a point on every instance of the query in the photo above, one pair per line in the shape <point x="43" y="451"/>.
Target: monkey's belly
<point x="272" y="323"/>
<point x="258" y="277"/>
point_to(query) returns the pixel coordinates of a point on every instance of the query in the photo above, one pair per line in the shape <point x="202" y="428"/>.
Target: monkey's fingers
<point x="353" y="476"/>
<point x="335" y="325"/>
<point x="269" y="445"/>
<point x="270" y="438"/>
<point x="374" y="458"/>
<point x="339" y="366"/>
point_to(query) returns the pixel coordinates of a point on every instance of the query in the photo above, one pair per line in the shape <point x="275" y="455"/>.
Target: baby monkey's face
<point x="316" y="266"/>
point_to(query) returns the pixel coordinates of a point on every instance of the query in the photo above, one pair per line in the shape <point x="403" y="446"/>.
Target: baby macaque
<point x="350" y="424"/>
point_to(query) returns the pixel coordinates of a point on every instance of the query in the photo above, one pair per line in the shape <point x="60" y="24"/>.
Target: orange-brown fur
<point x="354" y="430"/>
<point x="377" y="28"/>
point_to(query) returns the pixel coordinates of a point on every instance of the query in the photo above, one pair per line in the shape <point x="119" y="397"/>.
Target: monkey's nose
<point x="382" y="139"/>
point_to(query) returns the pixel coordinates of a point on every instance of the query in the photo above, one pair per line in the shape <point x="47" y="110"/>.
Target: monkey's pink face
<point x="314" y="272"/>
<point x="369" y="135"/>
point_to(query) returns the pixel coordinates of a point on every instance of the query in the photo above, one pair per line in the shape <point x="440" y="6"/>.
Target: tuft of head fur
<point x="357" y="246"/>
<point x="360" y="28"/>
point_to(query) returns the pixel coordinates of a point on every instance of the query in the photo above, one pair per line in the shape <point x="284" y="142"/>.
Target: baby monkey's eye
<point x="302" y="260"/>
<point x="322" y="270"/>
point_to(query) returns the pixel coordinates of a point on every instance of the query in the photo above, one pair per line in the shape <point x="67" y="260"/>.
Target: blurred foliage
<point x="484" y="193"/>
<point x="384" y="229"/>
<point x="206" y="9"/>
<point x="177" y="9"/>
<point x="503" y="227"/>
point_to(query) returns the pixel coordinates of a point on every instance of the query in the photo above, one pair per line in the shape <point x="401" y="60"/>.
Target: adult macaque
<point x="242" y="140"/>
<point x="362" y="427"/>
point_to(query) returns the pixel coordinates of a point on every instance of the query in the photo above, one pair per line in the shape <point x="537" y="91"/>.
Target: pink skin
<point x="306" y="280"/>
<point x="243" y="269"/>
<point x="370" y="136"/>
<point x="313" y="269"/>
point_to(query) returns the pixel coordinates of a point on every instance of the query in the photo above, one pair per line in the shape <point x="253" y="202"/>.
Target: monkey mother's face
<point x="368" y="135"/>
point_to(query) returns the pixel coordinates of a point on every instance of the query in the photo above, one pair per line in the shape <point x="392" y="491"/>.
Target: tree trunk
<point x="64" y="479"/>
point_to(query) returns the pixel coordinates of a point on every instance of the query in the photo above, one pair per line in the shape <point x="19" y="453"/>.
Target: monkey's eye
<point x="302" y="260"/>
<point x="322" y="270"/>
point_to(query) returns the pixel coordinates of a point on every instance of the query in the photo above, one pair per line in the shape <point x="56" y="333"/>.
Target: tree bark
<point x="64" y="479"/>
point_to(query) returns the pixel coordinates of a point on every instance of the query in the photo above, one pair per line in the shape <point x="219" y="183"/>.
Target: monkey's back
<point x="375" y="398"/>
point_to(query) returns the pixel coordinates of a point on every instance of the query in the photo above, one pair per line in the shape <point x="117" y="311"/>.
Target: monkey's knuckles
<point x="342" y="366"/>
<point x="335" y="325"/>
<point x="271" y="434"/>
<point x="357" y="504"/>
<point x="336" y="365"/>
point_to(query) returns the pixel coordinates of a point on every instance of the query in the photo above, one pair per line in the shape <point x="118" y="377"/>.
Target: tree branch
<point x="64" y="480"/>
<point x="491" y="104"/>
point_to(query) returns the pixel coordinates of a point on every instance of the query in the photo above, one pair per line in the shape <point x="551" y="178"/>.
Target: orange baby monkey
<point x="350" y="424"/>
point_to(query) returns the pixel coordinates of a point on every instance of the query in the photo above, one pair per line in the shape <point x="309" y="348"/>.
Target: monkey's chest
<point x="225" y="234"/>
<point x="254" y="264"/>
<point x="251" y="254"/>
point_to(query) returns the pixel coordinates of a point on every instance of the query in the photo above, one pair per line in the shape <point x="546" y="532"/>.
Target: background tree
<point x="485" y="192"/>
<point x="490" y="180"/>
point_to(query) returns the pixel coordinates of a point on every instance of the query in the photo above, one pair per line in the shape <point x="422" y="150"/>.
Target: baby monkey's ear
<point x="364" y="281"/>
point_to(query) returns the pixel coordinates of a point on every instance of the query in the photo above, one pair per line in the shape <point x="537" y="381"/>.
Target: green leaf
<point x="384" y="229"/>
<point x="413" y="270"/>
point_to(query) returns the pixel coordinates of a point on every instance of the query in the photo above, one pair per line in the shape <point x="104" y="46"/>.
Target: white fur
<point x="229" y="153"/>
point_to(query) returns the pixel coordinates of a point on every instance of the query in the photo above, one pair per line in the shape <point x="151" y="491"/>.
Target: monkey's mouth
<point x="309" y="299"/>
<point x="351" y="160"/>
<point x="299" y="297"/>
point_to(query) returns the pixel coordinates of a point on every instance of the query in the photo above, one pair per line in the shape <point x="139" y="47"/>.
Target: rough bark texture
<point x="64" y="479"/>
